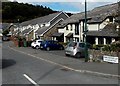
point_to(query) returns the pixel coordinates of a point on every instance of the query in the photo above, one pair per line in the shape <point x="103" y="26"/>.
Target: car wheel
<point x="66" y="55"/>
<point x="48" y="48"/>
<point x="78" y="55"/>
<point x="37" y="47"/>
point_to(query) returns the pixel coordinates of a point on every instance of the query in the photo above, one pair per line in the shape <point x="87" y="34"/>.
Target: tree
<point x="12" y="10"/>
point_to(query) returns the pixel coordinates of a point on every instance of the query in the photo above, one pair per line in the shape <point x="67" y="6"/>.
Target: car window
<point x="81" y="45"/>
<point x="72" y="44"/>
<point x="55" y="42"/>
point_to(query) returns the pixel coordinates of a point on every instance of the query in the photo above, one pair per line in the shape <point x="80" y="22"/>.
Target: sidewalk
<point x="96" y="68"/>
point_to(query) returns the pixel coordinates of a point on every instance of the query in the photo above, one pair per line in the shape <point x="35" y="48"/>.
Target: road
<point x="19" y="68"/>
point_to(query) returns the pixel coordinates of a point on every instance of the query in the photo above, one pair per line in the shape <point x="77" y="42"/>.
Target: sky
<point x="71" y="6"/>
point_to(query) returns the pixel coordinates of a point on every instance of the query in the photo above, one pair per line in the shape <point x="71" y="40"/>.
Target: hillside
<point x="12" y="11"/>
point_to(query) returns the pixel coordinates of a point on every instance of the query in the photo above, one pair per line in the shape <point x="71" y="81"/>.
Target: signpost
<point x="85" y="33"/>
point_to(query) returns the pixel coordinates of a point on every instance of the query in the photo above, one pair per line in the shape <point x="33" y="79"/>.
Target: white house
<point x="98" y="20"/>
<point x="38" y="27"/>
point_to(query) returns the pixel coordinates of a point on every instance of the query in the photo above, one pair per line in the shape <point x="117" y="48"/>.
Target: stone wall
<point x="97" y="55"/>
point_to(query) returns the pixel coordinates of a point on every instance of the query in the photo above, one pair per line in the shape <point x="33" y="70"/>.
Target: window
<point x="111" y="19"/>
<point x="71" y="27"/>
<point x="81" y="45"/>
<point x="76" y="29"/>
<point x="66" y="27"/>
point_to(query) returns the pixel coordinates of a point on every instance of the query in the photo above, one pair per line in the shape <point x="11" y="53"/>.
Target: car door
<point x="70" y="48"/>
<point x="55" y="45"/>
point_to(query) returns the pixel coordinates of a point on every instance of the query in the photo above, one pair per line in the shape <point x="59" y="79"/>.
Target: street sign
<point x="110" y="59"/>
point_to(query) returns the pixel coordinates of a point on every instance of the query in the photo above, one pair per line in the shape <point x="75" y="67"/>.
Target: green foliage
<point x="112" y="47"/>
<point x="12" y="11"/>
<point x="97" y="47"/>
<point x="106" y="48"/>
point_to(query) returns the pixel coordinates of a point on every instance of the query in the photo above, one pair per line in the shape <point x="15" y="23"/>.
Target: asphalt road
<point x="19" y="68"/>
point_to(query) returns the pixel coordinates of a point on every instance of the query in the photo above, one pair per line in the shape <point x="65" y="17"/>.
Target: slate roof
<point x="57" y="34"/>
<point x="69" y="35"/>
<point x="40" y="31"/>
<point x="117" y="19"/>
<point x="108" y="31"/>
<point x="44" y="19"/>
<point x="98" y="14"/>
<point x="27" y="30"/>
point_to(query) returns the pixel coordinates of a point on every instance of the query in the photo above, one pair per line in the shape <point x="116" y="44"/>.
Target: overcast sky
<point x="73" y="6"/>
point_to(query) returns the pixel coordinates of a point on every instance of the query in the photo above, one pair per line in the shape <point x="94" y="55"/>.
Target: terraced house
<point x="101" y="25"/>
<point x="42" y="27"/>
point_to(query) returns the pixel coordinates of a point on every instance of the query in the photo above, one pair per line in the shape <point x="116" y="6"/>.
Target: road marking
<point x="81" y="71"/>
<point x="30" y="79"/>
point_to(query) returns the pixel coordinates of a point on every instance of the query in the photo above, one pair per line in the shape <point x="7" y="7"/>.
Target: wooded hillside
<point x="12" y="11"/>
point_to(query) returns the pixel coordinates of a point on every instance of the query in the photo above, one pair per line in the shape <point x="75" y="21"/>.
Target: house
<point x="42" y="27"/>
<point x="99" y="21"/>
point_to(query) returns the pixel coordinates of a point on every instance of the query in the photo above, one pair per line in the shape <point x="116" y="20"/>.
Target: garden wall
<point x="97" y="55"/>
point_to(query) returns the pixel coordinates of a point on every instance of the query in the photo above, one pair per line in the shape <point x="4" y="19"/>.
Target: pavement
<point x="68" y="63"/>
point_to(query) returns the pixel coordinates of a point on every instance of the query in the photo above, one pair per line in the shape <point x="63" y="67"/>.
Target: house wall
<point x="29" y="37"/>
<point x="93" y="27"/>
<point x="61" y="30"/>
<point x="104" y="23"/>
<point x="67" y="31"/>
<point x="48" y="35"/>
<point x="71" y="29"/>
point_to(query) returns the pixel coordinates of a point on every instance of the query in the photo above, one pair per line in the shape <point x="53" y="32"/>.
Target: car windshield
<point x="72" y="44"/>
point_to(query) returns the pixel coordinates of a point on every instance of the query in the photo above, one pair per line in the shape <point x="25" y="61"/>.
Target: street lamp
<point x="85" y="33"/>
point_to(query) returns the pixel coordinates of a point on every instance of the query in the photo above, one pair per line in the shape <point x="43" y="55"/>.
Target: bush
<point x="64" y="44"/>
<point x="112" y="47"/>
<point x="97" y="47"/>
<point x="106" y="48"/>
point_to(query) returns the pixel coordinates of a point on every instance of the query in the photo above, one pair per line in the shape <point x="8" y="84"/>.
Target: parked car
<point x="50" y="44"/>
<point x="76" y="49"/>
<point x="36" y="43"/>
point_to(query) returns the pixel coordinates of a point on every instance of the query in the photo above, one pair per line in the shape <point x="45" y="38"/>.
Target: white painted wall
<point x="104" y="23"/>
<point x="61" y="30"/>
<point x="66" y="32"/>
<point x="93" y="27"/>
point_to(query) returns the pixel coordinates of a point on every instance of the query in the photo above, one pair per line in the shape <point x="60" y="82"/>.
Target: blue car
<point x="51" y="45"/>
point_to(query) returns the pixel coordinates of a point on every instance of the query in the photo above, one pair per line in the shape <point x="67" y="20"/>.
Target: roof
<point x="44" y="29"/>
<point x="69" y="35"/>
<point x="57" y="34"/>
<point x="98" y="14"/>
<point x="27" y="30"/>
<point x="44" y="19"/>
<point x="108" y="31"/>
<point x="40" y="31"/>
<point x="117" y="19"/>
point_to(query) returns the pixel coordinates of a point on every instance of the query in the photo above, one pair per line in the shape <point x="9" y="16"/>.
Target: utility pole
<point x="18" y="28"/>
<point x="85" y="33"/>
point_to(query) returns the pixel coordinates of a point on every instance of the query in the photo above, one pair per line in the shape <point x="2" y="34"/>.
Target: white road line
<point x="30" y="79"/>
<point x="81" y="71"/>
